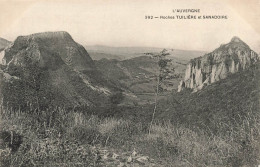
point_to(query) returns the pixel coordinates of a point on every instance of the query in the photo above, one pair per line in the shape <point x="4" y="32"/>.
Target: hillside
<point x="95" y="55"/>
<point x="229" y="100"/>
<point x="138" y="75"/>
<point x="51" y="69"/>
<point x="216" y="126"/>
<point x="139" y="69"/>
<point x="228" y="109"/>
<point x="222" y="120"/>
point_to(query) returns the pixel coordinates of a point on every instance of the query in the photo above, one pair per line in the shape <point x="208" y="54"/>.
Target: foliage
<point x="116" y="98"/>
<point x="163" y="71"/>
<point x="68" y="138"/>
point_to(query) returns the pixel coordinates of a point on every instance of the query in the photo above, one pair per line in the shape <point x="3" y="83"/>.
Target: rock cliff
<point x="223" y="61"/>
<point x="50" y="69"/>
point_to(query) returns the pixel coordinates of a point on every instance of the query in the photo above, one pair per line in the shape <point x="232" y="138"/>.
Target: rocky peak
<point x="61" y="35"/>
<point x="236" y="39"/>
<point x="56" y="70"/>
<point x="45" y="38"/>
<point x="56" y="34"/>
<point x="227" y="59"/>
<point x="49" y="49"/>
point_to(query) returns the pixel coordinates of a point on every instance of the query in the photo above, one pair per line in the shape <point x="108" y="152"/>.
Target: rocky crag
<point x="223" y="61"/>
<point x="50" y="69"/>
<point x="3" y="43"/>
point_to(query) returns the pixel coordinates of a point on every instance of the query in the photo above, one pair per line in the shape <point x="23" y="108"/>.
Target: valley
<point x="63" y="104"/>
<point x="98" y="52"/>
<point x="138" y="75"/>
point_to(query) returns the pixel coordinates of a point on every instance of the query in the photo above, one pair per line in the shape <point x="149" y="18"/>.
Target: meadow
<point x="60" y="137"/>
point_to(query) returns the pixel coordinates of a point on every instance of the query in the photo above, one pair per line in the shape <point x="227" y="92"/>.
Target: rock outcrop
<point x="50" y="69"/>
<point x="4" y="43"/>
<point x="223" y="61"/>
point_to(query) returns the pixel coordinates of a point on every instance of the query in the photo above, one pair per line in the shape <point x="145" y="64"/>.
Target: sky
<point x="122" y="22"/>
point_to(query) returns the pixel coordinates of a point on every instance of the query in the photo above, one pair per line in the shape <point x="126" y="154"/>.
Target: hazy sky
<point x="123" y="23"/>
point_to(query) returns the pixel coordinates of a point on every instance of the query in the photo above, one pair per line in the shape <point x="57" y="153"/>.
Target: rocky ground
<point x="111" y="158"/>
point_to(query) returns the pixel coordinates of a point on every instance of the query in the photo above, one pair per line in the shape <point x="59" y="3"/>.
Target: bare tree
<point x="162" y="72"/>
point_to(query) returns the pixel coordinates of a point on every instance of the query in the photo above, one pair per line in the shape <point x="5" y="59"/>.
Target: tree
<point x="116" y="98"/>
<point x="162" y="73"/>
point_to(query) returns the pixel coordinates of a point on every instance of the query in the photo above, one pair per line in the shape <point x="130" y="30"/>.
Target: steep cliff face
<point x="227" y="59"/>
<point x="50" y="69"/>
<point x="45" y="47"/>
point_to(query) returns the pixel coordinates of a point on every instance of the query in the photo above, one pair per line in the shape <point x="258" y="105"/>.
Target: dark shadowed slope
<point x="230" y="100"/>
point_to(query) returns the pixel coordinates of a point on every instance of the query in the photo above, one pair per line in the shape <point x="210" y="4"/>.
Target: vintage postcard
<point x="129" y="83"/>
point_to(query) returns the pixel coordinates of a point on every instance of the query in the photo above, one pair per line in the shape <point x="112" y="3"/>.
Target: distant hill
<point x="100" y="55"/>
<point x="98" y="52"/>
<point x="3" y="43"/>
<point x="51" y="69"/>
<point x="138" y="74"/>
<point x="137" y="71"/>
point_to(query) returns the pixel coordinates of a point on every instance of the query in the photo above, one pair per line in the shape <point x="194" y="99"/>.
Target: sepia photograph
<point x="130" y="83"/>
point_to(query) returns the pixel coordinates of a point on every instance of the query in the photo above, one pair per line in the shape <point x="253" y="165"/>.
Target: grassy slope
<point x="218" y="126"/>
<point x="95" y="55"/>
<point x="226" y="100"/>
<point x="137" y="74"/>
<point x="228" y="110"/>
